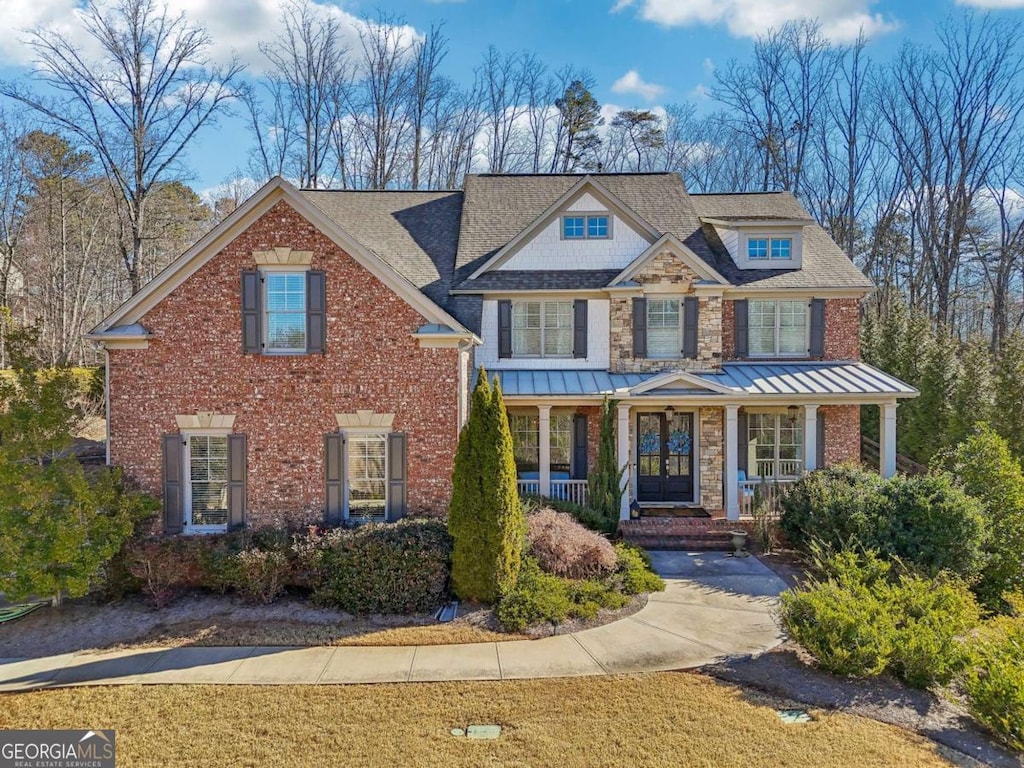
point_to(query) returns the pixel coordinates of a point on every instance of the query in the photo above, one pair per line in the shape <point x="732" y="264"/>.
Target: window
<point x="525" y="428"/>
<point x="777" y="327"/>
<point x="207" y="504"/>
<point x="367" y="477"/>
<point x="774" y="248"/>
<point x="593" y="227"/>
<point x="286" y="311"/>
<point x="775" y="445"/>
<point x="542" y="328"/>
<point x="664" y="328"/>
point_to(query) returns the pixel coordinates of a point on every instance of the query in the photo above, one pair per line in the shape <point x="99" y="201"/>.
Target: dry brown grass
<point x="649" y="720"/>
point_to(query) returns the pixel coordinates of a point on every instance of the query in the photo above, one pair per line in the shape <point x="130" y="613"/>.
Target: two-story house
<point x="310" y="359"/>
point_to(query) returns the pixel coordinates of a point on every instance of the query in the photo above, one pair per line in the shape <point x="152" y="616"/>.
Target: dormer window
<point x="774" y="248"/>
<point x="588" y="227"/>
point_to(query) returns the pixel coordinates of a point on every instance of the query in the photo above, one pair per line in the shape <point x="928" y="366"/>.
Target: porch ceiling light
<point x="669" y="409"/>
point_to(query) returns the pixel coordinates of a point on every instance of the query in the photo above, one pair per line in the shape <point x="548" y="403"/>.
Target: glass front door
<point x="664" y="456"/>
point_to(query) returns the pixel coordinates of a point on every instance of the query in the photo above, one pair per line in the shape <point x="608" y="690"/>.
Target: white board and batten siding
<point x="547" y="249"/>
<point x="597" y="342"/>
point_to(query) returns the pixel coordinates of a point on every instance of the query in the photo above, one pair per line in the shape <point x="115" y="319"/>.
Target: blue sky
<point x="657" y="51"/>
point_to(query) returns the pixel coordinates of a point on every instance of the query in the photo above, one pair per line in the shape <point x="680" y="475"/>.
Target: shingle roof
<point x="549" y="279"/>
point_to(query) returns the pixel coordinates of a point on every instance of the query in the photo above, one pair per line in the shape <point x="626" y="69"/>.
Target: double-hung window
<point x="367" y="477"/>
<point x="664" y="328"/>
<point x="286" y="311"/>
<point x="586" y="227"/>
<point x="525" y="428"/>
<point x="774" y="248"/>
<point x="206" y="507"/>
<point x="542" y="328"/>
<point x="778" y="327"/>
<point x="775" y="445"/>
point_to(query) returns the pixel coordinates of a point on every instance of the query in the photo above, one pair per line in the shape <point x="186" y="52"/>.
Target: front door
<point x="664" y="456"/>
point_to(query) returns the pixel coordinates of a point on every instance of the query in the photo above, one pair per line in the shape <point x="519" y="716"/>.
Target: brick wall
<point x="285" y="404"/>
<point x="842" y="329"/>
<point x="842" y="434"/>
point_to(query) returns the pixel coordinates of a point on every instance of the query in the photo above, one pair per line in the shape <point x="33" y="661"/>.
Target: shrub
<point x="395" y="568"/>
<point x="989" y="472"/>
<point x="585" y="516"/>
<point x="603" y="485"/>
<point x="260" y="574"/>
<point x="861" y="621"/>
<point x="634" y="574"/>
<point x="994" y="682"/>
<point x="834" y="506"/>
<point x="588" y="596"/>
<point x="565" y="548"/>
<point x="928" y="521"/>
<point x="536" y="597"/>
<point x="485" y="518"/>
<point x="166" y="566"/>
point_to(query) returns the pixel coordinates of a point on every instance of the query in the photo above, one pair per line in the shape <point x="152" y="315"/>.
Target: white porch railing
<point x="770" y="489"/>
<point x="783" y="468"/>
<point x="563" y="490"/>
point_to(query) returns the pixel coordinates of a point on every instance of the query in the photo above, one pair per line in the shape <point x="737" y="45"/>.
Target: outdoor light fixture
<point x="669" y="409"/>
<point x="793" y="411"/>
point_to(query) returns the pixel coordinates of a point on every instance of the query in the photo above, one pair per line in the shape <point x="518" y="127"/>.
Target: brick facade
<point x="842" y="330"/>
<point x="285" y="404"/>
<point x="842" y="434"/>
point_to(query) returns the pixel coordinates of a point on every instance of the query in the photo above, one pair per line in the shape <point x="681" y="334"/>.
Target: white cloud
<point x="700" y="91"/>
<point x="995" y="5"/>
<point x="842" y="20"/>
<point x="235" y="26"/>
<point x="631" y="82"/>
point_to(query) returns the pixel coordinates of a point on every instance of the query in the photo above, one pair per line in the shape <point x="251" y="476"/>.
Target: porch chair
<point x="746" y="493"/>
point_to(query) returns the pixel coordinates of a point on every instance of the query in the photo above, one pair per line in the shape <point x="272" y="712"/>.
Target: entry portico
<point x="697" y="439"/>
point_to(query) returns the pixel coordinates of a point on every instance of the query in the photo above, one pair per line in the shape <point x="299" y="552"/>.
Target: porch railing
<point x="563" y="490"/>
<point x="771" y="490"/>
<point x="783" y="468"/>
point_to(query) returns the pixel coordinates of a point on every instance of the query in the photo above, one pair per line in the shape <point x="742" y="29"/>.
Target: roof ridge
<point x="389" y="191"/>
<point x="737" y="194"/>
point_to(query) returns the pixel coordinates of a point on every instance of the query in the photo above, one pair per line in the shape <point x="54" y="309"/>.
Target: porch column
<point x="810" y="437"/>
<point x="544" y="454"/>
<point x="732" y="479"/>
<point x="623" y="450"/>
<point x="887" y="439"/>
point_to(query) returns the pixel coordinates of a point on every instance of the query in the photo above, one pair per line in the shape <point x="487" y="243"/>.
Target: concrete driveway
<point x="714" y="606"/>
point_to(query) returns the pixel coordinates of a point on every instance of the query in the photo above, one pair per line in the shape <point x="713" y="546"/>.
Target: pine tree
<point x="972" y="392"/>
<point x="604" y="485"/>
<point x="485" y="518"/>
<point x="926" y="430"/>
<point x="1009" y="399"/>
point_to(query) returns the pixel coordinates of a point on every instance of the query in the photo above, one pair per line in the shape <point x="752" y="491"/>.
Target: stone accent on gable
<point x="285" y="404"/>
<point x="665" y="274"/>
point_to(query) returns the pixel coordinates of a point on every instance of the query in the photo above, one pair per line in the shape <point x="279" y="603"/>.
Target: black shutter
<point x="579" y="328"/>
<point x="334" y="478"/>
<point x="821" y="440"/>
<point x="740" y="328"/>
<point x="640" y="327"/>
<point x="579" y="446"/>
<point x="316" y="311"/>
<point x="504" y="328"/>
<point x="397" y="464"/>
<point x="252" y="343"/>
<point x="174" y="484"/>
<point x="741" y="442"/>
<point x="817" y="328"/>
<point x="237" y="471"/>
<point x="691" y="309"/>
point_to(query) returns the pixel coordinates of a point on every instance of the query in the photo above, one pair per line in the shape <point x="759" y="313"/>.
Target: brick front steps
<point x="681" y="533"/>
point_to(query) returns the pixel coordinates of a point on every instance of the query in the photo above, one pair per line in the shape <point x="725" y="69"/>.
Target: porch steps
<point x="675" y="512"/>
<point x="681" y="533"/>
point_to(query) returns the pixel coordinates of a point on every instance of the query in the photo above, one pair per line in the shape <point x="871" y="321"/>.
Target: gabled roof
<point x="671" y="242"/>
<point x="679" y="380"/>
<point x="414" y="292"/>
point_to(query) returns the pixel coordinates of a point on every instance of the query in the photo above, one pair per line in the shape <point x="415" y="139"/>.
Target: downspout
<point x="106" y="398"/>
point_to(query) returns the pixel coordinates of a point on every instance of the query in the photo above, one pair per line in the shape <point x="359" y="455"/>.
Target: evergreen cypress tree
<point x="927" y="427"/>
<point x="509" y="524"/>
<point x="1009" y="398"/>
<point x="603" y="485"/>
<point x="972" y="392"/>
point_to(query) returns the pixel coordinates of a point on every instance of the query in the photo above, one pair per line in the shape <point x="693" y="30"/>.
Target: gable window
<point x="590" y="227"/>
<point x="542" y="328"/>
<point x="286" y="311"/>
<point x="206" y="501"/>
<point x="778" y="327"/>
<point x="775" y="445"/>
<point x="759" y="248"/>
<point x="367" y="477"/>
<point x="525" y="428"/>
<point x="664" y="328"/>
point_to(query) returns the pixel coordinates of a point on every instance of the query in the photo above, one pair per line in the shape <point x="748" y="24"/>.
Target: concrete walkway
<point x="714" y="607"/>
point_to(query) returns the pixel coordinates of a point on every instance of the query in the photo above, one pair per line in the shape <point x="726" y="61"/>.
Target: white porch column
<point x="623" y="450"/>
<point x="810" y="437"/>
<point x="887" y="439"/>
<point x="544" y="454"/>
<point x="732" y="480"/>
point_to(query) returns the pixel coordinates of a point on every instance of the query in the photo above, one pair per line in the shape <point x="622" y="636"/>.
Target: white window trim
<point x="777" y="354"/>
<point x="585" y="215"/>
<point x="541" y="355"/>
<point x="347" y="434"/>
<point x="680" y="335"/>
<point x="186" y="456"/>
<point x="795" y="260"/>
<point x="555" y="413"/>
<point x="779" y="414"/>
<point x="279" y="269"/>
